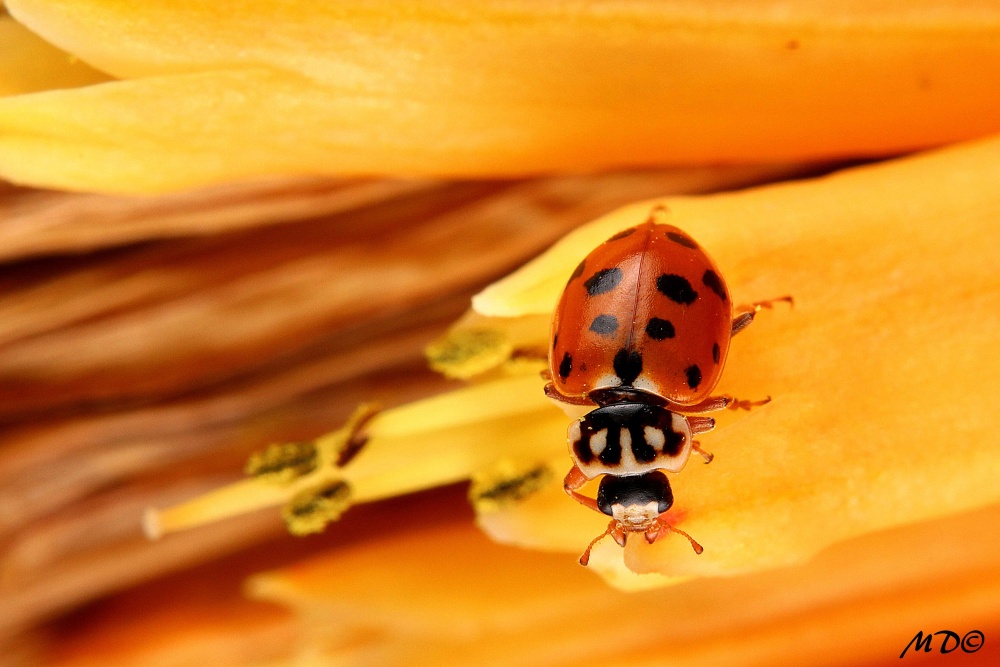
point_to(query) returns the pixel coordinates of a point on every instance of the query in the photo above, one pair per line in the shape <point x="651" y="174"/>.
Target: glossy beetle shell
<point x="648" y="309"/>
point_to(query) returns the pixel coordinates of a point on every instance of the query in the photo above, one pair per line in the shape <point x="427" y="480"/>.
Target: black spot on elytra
<point x="627" y="365"/>
<point x="658" y="329"/>
<point x="714" y="282"/>
<point x="605" y="325"/>
<point x="565" y="366"/>
<point x="693" y="376"/>
<point x="682" y="239"/>
<point x="622" y="234"/>
<point x="716" y="352"/>
<point x="603" y="281"/>
<point x="555" y="340"/>
<point x="676" y="288"/>
<point x="577" y="272"/>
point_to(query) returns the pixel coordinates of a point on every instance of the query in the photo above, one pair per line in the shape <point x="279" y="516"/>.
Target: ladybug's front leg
<point x="574" y="480"/>
<point x="745" y="314"/>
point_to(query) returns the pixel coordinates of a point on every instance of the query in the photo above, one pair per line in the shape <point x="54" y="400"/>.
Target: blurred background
<point x="150" y="341"/>
<point x="150" y="344"/>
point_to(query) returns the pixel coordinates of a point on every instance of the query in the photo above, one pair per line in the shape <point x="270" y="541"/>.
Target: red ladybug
<point x="641" y="331"/>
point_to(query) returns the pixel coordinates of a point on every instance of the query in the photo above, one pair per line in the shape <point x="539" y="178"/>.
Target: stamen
<point x="463" y="354"/>
<point x="311" y="510"/>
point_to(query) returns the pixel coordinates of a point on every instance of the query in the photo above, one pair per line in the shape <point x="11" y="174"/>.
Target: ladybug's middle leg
<point x="745" y="314"/>
<point x="701" y="424"/>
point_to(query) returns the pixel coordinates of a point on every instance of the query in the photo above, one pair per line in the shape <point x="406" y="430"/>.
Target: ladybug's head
<point x="635" y="503"/>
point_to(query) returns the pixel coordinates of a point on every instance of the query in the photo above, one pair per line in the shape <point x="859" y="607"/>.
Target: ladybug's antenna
<point x="585" y="558"/>
<point x="694" y="545"/>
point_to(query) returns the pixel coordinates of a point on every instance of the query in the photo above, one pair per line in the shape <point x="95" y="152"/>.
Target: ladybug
<point x="641" y="332"/>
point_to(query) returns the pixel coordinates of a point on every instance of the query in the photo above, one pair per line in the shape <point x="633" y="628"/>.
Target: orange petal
<point x="445" y="595"/>
<point x="494" y="88"/>
<point x="882" y="375"/>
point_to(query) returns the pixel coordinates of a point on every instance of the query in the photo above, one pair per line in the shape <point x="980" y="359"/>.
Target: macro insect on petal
<point x="641" y="334"/>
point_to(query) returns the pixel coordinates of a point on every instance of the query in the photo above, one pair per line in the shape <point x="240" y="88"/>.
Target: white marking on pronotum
<point x="574" y="432"/>
<point x="598" y="441"/>
<point x="679" y="424"/>
<point x="654" y="437"/>
<point x="626" y="440"/>
<point x="628" y="465"/>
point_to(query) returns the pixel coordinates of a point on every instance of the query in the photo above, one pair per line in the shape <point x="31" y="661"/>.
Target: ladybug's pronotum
<point x="641" y="332"/>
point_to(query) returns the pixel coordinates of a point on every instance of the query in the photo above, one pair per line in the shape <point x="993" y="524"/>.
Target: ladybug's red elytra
<point x="641" y="332"/>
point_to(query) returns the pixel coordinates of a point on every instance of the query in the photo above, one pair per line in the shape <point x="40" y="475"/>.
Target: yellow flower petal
<point x="120" y="132"/>
<point x="493" y="88"/>
<point x="436" y="441"/>
<point x="882" y="375"/>
<point x="29" y="64"/>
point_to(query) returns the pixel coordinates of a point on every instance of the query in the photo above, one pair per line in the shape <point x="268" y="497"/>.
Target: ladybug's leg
<point x="715" y="403"/>
<point x="710" y="404"/>
<point x="553" y="393"/>
<point x="746" y="404"/>
<point x="574" y="480"/>
<point x="538" y="353"/>
<point x="701" y="424"/>
<point x="696" y="446"/>
<point x="745" y="314"/>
